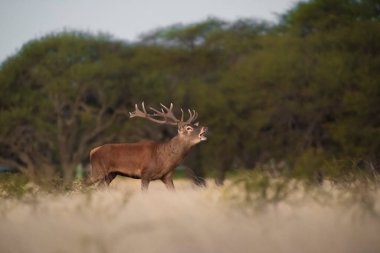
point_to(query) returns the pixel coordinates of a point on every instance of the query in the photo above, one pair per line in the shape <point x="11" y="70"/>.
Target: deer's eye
<point x="189" y="128"/>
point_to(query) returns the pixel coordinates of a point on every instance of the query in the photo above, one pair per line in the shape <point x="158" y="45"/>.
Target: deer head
<point x="187" y="129"/>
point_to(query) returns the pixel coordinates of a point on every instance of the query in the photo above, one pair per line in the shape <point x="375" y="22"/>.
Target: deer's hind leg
<point x="93" y="179"/>
<point x="106" y="180"/>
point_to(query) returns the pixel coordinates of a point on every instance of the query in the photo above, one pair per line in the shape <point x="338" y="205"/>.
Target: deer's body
<point x="145" y="160"/>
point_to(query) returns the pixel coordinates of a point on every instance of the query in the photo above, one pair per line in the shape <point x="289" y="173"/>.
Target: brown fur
<point x="147" y="160"/>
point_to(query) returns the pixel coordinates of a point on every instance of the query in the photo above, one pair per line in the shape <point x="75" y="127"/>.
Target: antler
<point x="165" y="113"/>
<point x="193" y="115"/>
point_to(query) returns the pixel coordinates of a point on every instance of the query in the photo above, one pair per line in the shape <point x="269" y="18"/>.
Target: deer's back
<point x="127" y="158"/>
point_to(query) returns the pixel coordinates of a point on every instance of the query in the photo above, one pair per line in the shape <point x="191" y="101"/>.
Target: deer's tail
<point x="92" y="178"/>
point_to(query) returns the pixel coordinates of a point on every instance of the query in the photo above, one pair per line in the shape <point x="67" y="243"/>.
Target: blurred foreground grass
<point x="13" y="185"/>
<point x="244" y="189"/>
<point x="254" y="211"/>
<point x="256" y="190"/>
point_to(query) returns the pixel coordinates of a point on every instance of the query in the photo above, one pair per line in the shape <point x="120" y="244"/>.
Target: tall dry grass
<point x="122" y="219"/>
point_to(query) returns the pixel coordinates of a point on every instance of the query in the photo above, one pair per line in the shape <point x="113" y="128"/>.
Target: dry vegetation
<point x="122" y="219"/>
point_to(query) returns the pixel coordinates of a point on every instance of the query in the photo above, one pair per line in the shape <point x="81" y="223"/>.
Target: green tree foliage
<point x="306" y="88"/>
<point x="64" y="94"/>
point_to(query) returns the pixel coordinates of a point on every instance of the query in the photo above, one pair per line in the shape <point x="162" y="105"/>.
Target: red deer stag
<point x="148" y="160"/>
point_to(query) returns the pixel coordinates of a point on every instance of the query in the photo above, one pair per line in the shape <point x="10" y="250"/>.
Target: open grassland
<point x="122" y="219"/>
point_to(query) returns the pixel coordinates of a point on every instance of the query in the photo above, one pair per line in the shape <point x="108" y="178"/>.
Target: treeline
<point x="293" y="97"/>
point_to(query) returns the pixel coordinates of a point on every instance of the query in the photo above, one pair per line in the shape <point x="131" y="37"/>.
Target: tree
<point x="64" y="93"/>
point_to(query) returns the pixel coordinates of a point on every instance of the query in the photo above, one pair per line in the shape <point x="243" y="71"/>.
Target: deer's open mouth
<point x="202" y="134"/>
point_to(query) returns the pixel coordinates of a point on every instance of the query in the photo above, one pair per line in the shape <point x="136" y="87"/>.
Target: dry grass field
<point x="122" y="219"/>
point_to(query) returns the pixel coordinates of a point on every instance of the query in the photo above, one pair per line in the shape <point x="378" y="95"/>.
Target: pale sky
<point x="23" y="20"/>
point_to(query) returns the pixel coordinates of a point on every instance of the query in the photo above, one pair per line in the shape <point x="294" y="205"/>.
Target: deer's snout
<point x="202" y="134"/>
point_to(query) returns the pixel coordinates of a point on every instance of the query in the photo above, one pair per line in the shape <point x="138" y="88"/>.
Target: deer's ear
<point x="196" y="124"/>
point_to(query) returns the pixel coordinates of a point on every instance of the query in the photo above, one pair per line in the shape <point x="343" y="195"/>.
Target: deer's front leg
<point x="168" y="181"/>
<point x="144" y="184"/>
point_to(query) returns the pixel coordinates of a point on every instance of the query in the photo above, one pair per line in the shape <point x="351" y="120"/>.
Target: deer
<point x="148" y="160"/>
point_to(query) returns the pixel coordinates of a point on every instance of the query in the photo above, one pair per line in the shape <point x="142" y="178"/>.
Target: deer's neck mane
<point x="175" y="149"/>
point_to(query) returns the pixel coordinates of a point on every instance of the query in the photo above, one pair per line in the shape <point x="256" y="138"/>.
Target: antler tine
<point x="182" y="114"/>
<point x="166" y="113"/>
<point x="167" y="109"/>
<point x="196" y="115"/>
<point x="192" y="116"/>
<point x="138" y="112"/>
<point x="143" y="107"/>
<point x="156" y="111"/>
